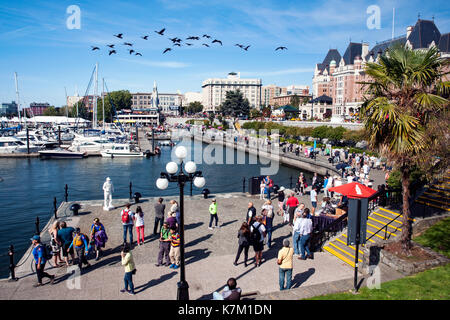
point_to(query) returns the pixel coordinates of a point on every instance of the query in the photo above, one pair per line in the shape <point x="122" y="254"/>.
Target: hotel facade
<point x="214" y="90"/>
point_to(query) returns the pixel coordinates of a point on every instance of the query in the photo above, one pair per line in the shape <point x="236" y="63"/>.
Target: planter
<point x="376" y="253"/>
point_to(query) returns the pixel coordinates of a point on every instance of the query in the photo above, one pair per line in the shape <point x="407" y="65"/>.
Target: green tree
<point x="255" y="113"/>
<point x="267" y="112"/>
<point x="194" y="107"/>
<point x="295" y="101"/>
<point x="51" y="111"/>
<point x="235" y="104"/>
<point x="82" y="110"/>
<point x="121" y="99"/>
<point x="404" y="113"/>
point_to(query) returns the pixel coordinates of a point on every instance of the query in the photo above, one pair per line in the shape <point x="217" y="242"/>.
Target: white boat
<point x="122" y="150"/>
<point x="91" y="144"/>
<point x="61" y="154"/>
<point x="14" y="145"/>
<point x="36" y="140"/>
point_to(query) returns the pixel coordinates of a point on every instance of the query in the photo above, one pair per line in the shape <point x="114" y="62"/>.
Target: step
<point x="340" y="256"/>
<point x="436" y="195"/>
<point x="432" y="205"/>
<point x="389" y="219"/>
<point x="424" y="198"/>
<point x="382" y="223"/>
<point x="345" y="244"/>
<point x="395" y="214"/>
<point x="439" y="190"/>
<point x="345" y="250"/>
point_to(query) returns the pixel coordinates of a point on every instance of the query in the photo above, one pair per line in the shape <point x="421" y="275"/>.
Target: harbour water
<point x="28" y="186"/>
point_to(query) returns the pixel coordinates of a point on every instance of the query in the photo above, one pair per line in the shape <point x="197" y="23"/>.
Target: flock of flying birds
<point x="175" y="41"/>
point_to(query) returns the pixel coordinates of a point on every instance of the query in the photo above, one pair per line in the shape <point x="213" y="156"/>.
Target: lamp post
<point x="181" y="178"/>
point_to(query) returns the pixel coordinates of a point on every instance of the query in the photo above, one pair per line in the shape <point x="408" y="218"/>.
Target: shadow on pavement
<point x="196" y="255"/>
<point x="192" y="225"/>
<point x="155" y="282"/>
<point x="300" y="278"/>
<point x="198" y="240"/>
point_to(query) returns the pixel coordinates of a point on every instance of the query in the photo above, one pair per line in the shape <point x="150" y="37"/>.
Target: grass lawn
<point x="437" y="237"/>
<point x="433" y="284"/>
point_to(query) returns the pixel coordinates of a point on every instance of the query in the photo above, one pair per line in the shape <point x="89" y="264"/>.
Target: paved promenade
<point x="209" y="258"/>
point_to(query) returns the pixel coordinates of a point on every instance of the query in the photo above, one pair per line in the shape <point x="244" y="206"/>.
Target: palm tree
<point x="405" y="98"/>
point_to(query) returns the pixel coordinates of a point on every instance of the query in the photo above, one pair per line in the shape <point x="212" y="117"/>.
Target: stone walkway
<point x="209" y="258"/>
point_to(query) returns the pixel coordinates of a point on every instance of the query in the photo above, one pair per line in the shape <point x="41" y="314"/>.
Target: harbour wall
<point x="314" y="166"/>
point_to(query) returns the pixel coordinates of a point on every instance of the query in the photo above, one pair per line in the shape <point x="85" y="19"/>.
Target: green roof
<point x="288" y="108"/>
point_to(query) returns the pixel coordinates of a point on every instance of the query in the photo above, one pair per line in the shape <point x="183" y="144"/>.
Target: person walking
<point x="65" y="237"/>
<point x="305" y="230"/>
<point x="313" y="198"/>
<point x="262" y="189"/>
<point x="213" y="214"/>
<point x="39" y="255"/>
<point x="257" y="234"/>
<point x="164" y="245"/>
<point x="174" y="253"/>
<point x="55" y="244"/>
<point x="130" y="269"/>
<point x="296" y="233"/>
<point x="98" y="237"/>
<point x="127" y="223"/>
<point x="160" y="209"/>
<point x="139" y="220"/>
<point x="292" y="204"/>
<point x="281" y="197"/>
<point x="268" y="212"/>
<point x="285" y="257"/>
<point x="251" y="213"/>
<point x="80" y="243"/>
<point x="244" y="243"/>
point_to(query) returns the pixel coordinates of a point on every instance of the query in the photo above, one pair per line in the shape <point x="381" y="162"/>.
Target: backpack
<point x="255" y="235"/>
<point x="125" y="216"/>
<point x="47" y="251"/>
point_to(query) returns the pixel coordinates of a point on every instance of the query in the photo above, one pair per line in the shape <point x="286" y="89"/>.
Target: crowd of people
<point x="255" y="231"/>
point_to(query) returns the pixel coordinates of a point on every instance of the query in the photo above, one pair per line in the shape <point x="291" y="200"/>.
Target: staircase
<point x="377" y="220"/>
<point x="434" y="200"/>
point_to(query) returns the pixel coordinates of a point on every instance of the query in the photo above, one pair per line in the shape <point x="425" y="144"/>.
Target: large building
<point x="271" y="91"/>
<point x="37" y="109"/>
<point x="214" y="90"/>
<point x="7" y="109"/>
<point x="190" y="97"/>
<point x="338" y="76"/>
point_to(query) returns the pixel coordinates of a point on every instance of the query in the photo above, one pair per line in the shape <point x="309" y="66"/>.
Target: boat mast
<point x="103" y="102"/>
<point x="67" y="103"/>
<point x="17" y="96"/>
<point x="94" y="109"/>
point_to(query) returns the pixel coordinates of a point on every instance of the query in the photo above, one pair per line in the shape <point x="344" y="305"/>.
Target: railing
<point x="384" y="228"/>
<point x="388" y="197"/>
<point x="319" y="237"/>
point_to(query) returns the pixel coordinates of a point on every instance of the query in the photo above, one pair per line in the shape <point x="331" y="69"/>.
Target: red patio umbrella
<point x="354" y="190"/>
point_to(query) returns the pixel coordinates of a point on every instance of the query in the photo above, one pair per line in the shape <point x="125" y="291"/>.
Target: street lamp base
<point x="183" y="290"/>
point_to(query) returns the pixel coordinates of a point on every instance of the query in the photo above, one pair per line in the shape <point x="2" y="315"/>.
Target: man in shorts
<point x="65" y="236"/>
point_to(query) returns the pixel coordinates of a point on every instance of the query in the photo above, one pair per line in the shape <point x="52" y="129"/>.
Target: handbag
<point x="133" y="272"/>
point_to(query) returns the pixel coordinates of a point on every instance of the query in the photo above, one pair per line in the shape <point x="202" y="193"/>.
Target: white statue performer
<point x="108" y="189"/>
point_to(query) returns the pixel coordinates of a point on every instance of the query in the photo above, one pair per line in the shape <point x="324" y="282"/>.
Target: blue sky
<point x="36" y="43"/>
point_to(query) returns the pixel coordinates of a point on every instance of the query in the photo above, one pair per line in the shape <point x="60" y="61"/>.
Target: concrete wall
<point x="305" y="124"/>
<point x="303" y="164"/>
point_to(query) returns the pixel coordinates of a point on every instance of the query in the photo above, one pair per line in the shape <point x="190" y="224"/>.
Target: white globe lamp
<point x="181" y="152"/>
<point x="162" y="183"/>
<point x="199" y="182"/>
<point x="190" y="167"/>
<point x="171" y="167"/>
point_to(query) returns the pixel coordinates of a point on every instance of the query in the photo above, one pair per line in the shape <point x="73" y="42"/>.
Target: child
<point x="130" y="269"/>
